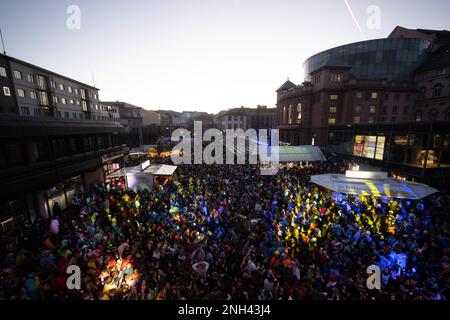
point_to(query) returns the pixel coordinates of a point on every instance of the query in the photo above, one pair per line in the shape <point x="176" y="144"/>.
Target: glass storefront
<point x="371" y="147"/>
<point x="55" y="195"/>
<point x="73" y="186"/>
<point x="62" y="193"/>
<point x="408" y="148"/>
<point x="39" y="203"/>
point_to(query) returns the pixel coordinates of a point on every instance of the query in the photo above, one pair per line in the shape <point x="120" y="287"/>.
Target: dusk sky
<point x="204" y="55"/>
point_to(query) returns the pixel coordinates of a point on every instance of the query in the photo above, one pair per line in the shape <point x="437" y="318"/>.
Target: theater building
<point x="396" y="89"/>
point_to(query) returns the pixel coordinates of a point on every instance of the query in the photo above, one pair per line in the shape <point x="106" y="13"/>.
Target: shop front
<point x="414" y="151"/>
<point x="112" y="162"/>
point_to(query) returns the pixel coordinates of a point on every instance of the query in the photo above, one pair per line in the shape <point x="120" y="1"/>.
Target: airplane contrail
<point x="354" y="19"/>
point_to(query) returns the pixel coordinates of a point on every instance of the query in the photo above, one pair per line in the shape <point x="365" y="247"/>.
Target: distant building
<point x="261" y="118"/>
<point x="166" y="120"/>
<point x="141" y="125"/>
<point x="185" y="119"/>
<point x="169" y="118"/>
<point x="246" y="118"/>
<point x="150" y="117"/>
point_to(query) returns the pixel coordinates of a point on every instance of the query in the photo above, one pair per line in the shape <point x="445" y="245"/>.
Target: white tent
<point x="376" y="184"/>
<point x="298" y="153"/>
<point x="141" y="177"/>
<point x="161" y="169"/>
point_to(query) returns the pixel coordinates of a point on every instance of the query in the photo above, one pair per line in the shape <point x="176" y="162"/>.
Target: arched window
<point x="422" y="93"/>
<point x="437" y="90"/>
<point x="290" y="114"/>
<point x="299" y="113"/>
<point x="284" y="115"/>
<point x="432" y="114"/>
<point x="418" y="115"/>
<point x="280" y="115"/>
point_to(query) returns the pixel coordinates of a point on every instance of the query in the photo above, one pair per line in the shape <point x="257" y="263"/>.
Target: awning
<point x="142" y="149"/>
<point x="379" y="187"/>
<point x="137" y="153"/>
<point x="154" y="169"/>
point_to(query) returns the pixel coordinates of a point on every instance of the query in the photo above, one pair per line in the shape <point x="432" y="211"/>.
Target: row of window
<point x="356" y="119"/>
<point x="41" y="83"/>
<point x="371" y="95"/>
<point x="233" y="118"/>
<point x="288" y="118"/>
<point x="334" y="77"/>
<point x="359" y="95"/>
<point x="436" y="92"/>
<point x="21" y="93"/>
<point x="44" y="99"/>
<point x="69" y="89"/>
<point x="372" y="109"/>
<point x="42" y="95"/>
<point x="63" y="100"/>
<point x="432" y="115"/>
<point x="106" y="108"/>
<point x="45" y="112"/>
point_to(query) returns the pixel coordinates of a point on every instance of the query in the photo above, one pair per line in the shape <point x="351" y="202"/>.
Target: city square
<point x="335" y="187"/>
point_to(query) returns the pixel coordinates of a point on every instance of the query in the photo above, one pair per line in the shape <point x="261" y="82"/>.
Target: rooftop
<point x="287" y="85"/>
<point x="46" y="70"/>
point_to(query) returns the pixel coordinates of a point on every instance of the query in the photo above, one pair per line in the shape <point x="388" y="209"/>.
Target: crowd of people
<point x="226" y="232"/>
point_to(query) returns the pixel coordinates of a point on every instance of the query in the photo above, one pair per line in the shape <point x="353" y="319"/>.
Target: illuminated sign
<point x="371" y="147"/>
<point x="145" y="165"/>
